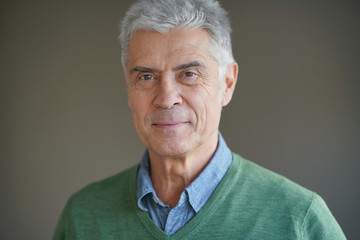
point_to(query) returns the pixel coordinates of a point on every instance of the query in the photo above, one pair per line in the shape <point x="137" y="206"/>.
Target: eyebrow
<point x="180" y="67"/>
<point x="143" y="69"/>
<point x="189" y="65"/>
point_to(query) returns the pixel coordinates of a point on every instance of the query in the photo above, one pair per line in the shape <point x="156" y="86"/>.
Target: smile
<point x="169" y="125"/>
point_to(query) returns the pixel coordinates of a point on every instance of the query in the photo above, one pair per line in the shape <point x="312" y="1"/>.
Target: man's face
<point x="173" y="89"/>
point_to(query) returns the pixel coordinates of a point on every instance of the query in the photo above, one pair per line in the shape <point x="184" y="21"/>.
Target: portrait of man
<point x="179" y="74"/>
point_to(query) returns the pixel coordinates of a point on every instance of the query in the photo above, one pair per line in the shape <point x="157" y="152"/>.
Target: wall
<point x="65" y="122"/>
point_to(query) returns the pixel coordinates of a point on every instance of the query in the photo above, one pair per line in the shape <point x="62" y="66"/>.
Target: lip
<point x="169" y="125"/>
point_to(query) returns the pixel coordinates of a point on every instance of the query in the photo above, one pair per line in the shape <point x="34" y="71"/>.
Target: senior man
<point x="180" y="72"/>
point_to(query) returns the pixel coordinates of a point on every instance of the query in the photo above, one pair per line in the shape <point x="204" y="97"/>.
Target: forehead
<point x="151" y="48"/>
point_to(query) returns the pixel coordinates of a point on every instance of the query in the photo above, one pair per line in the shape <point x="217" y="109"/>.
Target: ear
<point x="229" y="83"/>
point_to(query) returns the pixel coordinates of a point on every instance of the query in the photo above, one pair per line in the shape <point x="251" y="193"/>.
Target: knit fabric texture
<point x="249" y="203"/>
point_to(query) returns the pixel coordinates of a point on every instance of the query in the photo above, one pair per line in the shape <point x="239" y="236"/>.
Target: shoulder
<point x="98" y="206"/>
<point x="278" y="201"/>
<point x="107" y="190"/>
<point x="265" y="191"/>
<point x="269" y="182"/>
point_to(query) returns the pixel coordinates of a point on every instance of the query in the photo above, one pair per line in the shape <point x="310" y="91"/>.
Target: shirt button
<point x="156" y="201"/>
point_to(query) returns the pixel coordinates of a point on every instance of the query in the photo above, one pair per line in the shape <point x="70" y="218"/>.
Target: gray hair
<point x="164" y="15"/>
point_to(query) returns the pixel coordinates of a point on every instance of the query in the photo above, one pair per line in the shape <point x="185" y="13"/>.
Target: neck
<point x="171" y="175"/>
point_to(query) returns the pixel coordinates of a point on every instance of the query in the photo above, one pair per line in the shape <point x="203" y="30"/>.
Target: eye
<point x="145" y="80"/>
<point x="146" y="77"/>
<point x="189" y="74"/>
<point x="189" y="77"/>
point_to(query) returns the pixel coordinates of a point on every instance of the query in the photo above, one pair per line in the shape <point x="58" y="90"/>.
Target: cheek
<point x="138" y="107"/>
<point x="206" y="106"/>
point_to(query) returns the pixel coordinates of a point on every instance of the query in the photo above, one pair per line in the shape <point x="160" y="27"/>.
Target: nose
<point x="167" y="93"/>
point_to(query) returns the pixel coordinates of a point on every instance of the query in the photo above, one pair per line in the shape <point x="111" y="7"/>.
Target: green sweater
<point x="249" y="203"/>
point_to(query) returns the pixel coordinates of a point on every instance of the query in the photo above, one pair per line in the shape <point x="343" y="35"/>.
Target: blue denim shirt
<point x="195" y="195"/>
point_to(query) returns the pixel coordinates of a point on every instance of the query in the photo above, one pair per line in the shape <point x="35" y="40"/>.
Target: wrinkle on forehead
<point x="166" y="51"/>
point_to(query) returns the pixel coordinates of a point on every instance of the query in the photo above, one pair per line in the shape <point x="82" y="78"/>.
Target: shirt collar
<point x="200" y="190"/>
<point x="143" y="184"/>
<point x="203" y="186"/>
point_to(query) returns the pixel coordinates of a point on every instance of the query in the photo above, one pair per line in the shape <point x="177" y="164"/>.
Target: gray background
<point x="65" y="121"/>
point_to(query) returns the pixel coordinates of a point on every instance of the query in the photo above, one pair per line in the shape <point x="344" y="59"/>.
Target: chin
<point x="171" y="148"/>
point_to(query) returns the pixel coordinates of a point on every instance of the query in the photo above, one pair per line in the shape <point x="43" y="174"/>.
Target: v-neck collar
<point x="206" y="212"/>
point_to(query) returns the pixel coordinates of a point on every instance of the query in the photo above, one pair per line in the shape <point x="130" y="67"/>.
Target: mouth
<point x="170" y="125"/>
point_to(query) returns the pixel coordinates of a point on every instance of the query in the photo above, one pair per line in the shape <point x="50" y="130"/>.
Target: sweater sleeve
<point x="64" y="230"/>
<point x="319" y="223"/>
<point x="60" y="229"/>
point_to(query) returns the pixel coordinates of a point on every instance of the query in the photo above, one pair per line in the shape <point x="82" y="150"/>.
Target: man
<point x="180" y="72"/>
